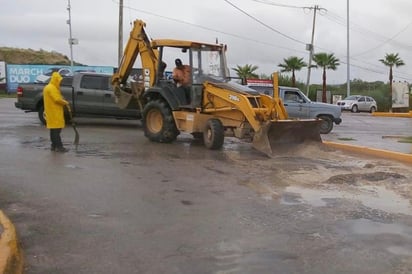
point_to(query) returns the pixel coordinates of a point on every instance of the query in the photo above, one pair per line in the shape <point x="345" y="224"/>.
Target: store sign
<point x="2" y="72"/>
<point x="17" y="74"/>
<point x="400" y="95"/>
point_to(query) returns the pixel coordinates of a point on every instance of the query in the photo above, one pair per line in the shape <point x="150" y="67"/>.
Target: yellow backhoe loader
<point x="216" y="106"/>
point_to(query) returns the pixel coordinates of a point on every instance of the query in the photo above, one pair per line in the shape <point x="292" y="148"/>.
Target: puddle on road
<point x="365" y="227"/>
<point x="72" y="166"/>
<point x="9" y="141"/>
<point x="368" y="227"/>
<point x="33" y="141"/>
<point x="376" y="197"/>
<point x="400" y="250"/>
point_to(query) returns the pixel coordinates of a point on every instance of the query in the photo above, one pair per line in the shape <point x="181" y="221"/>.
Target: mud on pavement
<point x="340" y="204"/>
<point x="333" y="208"/>
<point x="310" y="210"/>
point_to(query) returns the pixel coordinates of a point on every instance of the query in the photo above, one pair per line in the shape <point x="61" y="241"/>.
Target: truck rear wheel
<point x="158" y="123"/>
<point x="214" y="134"/>
<point x="42" y="115"/>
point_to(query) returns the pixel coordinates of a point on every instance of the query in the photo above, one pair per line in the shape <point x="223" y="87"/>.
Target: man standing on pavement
<point x="54" y="104"/>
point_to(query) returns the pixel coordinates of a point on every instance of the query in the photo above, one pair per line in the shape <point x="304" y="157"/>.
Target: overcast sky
<point x="257" y="32"/>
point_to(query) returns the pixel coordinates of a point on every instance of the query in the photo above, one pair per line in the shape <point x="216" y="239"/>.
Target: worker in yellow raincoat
<point x="54" y="104"/>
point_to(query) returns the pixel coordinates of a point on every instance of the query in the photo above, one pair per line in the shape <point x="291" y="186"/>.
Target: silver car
<point x="358" y="103"/>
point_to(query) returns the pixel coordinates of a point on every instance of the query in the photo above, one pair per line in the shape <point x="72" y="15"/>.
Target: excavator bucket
<point x="280" y="136"/>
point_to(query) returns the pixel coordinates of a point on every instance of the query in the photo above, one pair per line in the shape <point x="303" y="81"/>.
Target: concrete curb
<point x="397" y="156"/>
<point x="394" y="114"/>
<point x="11" y="261"/>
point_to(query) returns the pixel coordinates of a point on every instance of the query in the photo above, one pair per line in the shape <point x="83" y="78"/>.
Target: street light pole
<point x="347" y="53"/>
<point x="69" y="22"/>
<point x="120" y="52"/>
<point x="309" y="47"/>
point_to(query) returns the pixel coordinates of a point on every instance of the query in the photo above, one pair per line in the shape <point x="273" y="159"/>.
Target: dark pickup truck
<point x="89" y="94"/>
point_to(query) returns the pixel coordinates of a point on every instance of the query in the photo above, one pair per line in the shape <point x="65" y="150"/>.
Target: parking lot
<point x="121" y="204"/>
<point x="363" y="129"/>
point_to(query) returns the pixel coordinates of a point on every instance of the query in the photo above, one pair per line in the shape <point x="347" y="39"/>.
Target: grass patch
<point x="5" y="95"/>
<point x="346" y="139"/>
<point x="406" y="140"/>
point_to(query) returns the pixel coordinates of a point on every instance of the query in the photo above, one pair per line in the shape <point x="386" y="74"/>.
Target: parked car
<point x="358" y="103"/>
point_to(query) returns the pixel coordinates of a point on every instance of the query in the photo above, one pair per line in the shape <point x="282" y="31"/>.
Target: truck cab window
<point x="291" y="96"/>
<point x="92" y="82"/>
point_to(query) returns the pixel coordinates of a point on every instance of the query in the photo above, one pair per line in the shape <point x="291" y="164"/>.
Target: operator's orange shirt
<point x="181" y="75"/>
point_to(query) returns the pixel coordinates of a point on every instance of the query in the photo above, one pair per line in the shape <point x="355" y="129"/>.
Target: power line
<point x="386" y="41"/>
<point x="209" y="29"/>
<point x="357" y="28"/>
<point x="309" y="47"/>
<point x="247" y="38"/>
<point x="278" y="5"/>
<point x="262" y="23"/>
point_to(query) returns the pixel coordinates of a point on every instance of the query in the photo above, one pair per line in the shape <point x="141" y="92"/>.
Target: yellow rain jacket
<point x="54" y="102"/>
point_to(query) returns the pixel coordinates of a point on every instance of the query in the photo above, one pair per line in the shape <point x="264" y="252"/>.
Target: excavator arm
<point x="138" y="43"/>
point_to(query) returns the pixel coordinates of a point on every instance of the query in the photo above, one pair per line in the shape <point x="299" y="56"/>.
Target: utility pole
<point x="69" y="22"/>
<point x="309" y="47"/>
<point x="120" y="52"/>
<point x="347" y="53"/>
<point x="72" y="41"/>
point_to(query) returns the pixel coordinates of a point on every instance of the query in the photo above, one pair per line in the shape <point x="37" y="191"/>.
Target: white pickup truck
<point x="299" y="106"/>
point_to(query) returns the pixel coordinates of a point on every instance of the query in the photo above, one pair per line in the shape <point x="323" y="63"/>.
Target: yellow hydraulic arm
<point x="138" y="43"/>
<point x="256" y="109"/>
<point x="280" y="109"/>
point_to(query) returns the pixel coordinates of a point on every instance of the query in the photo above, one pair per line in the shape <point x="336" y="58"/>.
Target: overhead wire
<point x="391" y="39"/>
<point x="209" y="29"/>
<point x="357" y="28"/>
<point x="336" y="17"/>
<point x="383" y="40"/>
<point x="278" y="5"/>
<point x="264" y="24"/>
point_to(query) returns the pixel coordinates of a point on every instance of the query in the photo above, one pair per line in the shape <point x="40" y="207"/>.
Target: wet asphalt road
<point x="121" y="204"/>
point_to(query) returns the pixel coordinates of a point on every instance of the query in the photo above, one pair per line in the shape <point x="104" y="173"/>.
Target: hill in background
<point x="33" y="57"/>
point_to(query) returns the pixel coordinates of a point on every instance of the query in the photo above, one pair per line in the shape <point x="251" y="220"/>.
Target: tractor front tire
<point x="214" y="134"/>
<point x="158" y="122"/>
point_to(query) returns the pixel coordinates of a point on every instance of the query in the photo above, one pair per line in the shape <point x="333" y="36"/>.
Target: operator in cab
<point x="181" y="74"/>
<point x="182" y="77"/>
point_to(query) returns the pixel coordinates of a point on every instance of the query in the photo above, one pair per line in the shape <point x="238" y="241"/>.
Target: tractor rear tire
<point x="158" y="122"/>
<point x="214" y="134"/>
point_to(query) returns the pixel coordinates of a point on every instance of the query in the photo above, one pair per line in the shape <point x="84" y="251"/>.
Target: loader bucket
<point x="282" y="135"/>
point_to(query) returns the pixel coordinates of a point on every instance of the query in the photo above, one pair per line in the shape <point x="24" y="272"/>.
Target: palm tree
<point x="245" y="72"/>
<point x="325" y="61"/>
<point x="292" y="64"/>
<point x="391" y="60"/>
